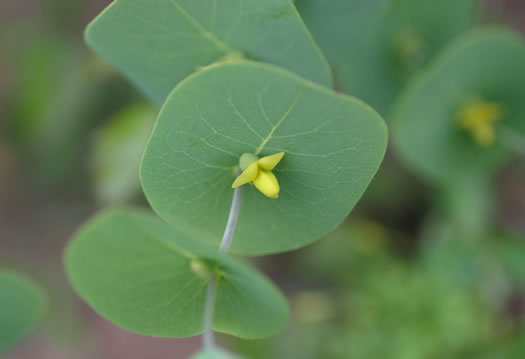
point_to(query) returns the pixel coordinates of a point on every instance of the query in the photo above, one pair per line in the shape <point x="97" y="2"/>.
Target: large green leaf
<point x="159" y="42"/>
<point x="376" y="46"/>
<point x="21" y="306"/>
<point x="145" y="276"/>
<point x="486" y="63"/>
<point x="333" y="143"/>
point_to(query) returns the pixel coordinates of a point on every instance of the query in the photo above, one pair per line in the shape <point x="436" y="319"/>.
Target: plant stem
<point x="235" y="210"/>
<point x="513" y="140"/>
<point x="208" y="340"/>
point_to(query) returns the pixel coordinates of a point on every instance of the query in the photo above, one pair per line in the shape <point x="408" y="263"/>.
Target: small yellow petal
<point x="248" y="175"/>
<point x="269" y="162"/>
<point x="267" y="183"/>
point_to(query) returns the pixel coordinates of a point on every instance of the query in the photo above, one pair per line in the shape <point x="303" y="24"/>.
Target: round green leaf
<point x="21" y="306"/>
<point x="333" y="144"/>
<point x="145" y="276"/>
<point x="487" y="63"/>
<point x="159" y="42"/>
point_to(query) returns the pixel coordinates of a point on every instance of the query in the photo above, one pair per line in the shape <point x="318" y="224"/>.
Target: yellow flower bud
<point x="259" y="172"/>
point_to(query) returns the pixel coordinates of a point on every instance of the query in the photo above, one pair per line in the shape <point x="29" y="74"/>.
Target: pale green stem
<point x="208" y="340"/>
<point x="512" y="140"/>
<point x="235" y="210"/>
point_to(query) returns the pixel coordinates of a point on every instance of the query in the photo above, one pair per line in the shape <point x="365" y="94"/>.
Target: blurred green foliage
<point x="421" y="272"/>
<point x="117" y="151"/>
<point x="377" y="46"/>
<point x="60" y="94"/>
<point x="479" y="72"/>
<point x="22" y="304"/>
<point x="447" y="301"/>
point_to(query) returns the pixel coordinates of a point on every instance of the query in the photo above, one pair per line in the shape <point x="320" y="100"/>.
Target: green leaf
<point x="486" y="63"/>
<point x="214" y="354"/>
<point x="149" y="278"/>
<point x="159" y="42"/>
<point x="338" y="26"/>
<point x="376" y="46"/>
<point x="333" y="144"/>
<point x="21" y="306"/>
<point x="118" y="151"/>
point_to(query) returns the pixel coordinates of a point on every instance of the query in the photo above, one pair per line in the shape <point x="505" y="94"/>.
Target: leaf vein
<point x="219" y="44"/>
<point x="283" y="118"/>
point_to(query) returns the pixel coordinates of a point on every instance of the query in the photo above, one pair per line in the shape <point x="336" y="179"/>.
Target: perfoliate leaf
<point x="159" y="42"/>
<point x="333" y="146"/>
<point x="149" y="278"/>
<point x="484" y="65"/>
<point x="21" y="306"/>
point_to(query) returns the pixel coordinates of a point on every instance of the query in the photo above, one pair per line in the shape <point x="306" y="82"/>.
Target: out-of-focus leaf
<point x="22" y="304"/>
<point x="377" y="45"/>
<point x="341" y="26"/>
<point x="488" y="64"/>
<point x="117" y="153"/>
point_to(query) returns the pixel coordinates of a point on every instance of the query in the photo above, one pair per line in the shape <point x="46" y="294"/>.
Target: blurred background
<point x="412" y="274"/>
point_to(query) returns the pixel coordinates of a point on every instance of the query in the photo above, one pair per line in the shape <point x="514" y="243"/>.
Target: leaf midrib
<point x="167" y="244"/>
<point x="218" y="43"/>
<point x="283" y="118"/>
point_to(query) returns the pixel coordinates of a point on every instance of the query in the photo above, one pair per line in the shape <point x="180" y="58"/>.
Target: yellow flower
<point x="478" y="118"/>
<point x="259" y="172"/>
